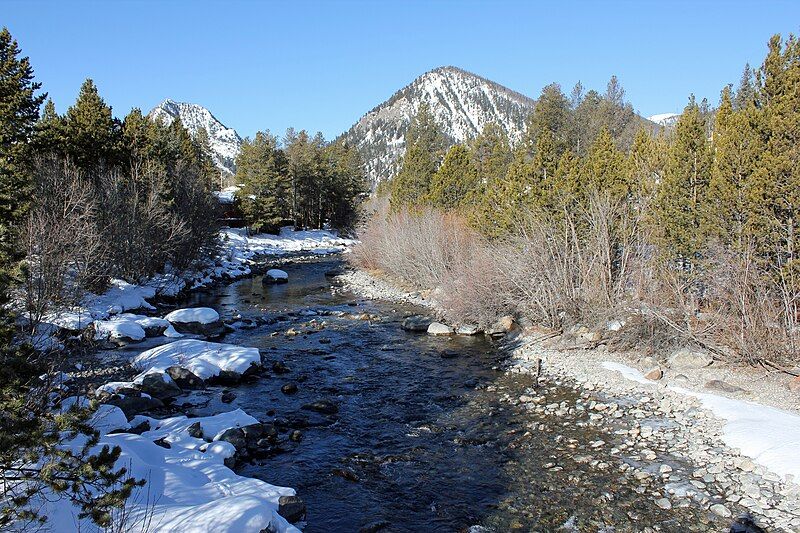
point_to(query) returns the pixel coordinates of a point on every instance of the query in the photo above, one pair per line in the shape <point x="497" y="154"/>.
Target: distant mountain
<point x="225" y="142"/>
<point x="462" y="104"/>
<point x="666" y="120"/>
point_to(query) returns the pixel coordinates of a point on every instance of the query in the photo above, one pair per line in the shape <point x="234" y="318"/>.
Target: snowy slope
<point x="225" y="142"/>
<point x="462" y="104"/>
<point x="666" y="120"/>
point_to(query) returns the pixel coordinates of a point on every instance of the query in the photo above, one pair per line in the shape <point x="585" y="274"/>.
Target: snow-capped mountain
<point x="462" y="104"/>
<point x="666" y="120"/>
<point x="225" y="142"/>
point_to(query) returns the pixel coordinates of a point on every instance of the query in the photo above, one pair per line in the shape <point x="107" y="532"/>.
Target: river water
<point x="424" y="439"/>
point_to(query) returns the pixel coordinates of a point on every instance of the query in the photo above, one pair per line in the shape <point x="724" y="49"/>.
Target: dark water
<point x="422" y="440"/>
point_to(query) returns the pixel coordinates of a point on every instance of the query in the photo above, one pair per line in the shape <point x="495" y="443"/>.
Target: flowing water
<point x="423" y="439"/>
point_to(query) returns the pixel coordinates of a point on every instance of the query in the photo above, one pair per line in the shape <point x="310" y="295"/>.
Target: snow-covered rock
<point x="189" y="488"/>
<point x="203" y="359"/>
<point x="275" y="275"/>
<point x="197" y="321"/>
<point x="224" y="142"/>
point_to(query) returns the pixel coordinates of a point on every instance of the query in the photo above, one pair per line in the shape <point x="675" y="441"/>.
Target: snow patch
<point x="204" y="359"/>
<point x="199" y="315"/>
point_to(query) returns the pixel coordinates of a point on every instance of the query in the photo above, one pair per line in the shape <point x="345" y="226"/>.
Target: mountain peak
<point x="462" y="103"/>
<point x="224" y="141"/>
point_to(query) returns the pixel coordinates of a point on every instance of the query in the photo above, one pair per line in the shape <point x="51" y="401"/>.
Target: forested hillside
<point x="694" y="225"/>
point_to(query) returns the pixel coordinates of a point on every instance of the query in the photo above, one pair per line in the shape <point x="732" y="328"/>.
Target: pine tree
<point x="425" y="147"/>
<point x="746" y="92"/>
<point x="736" y="148"/>
<point x="551" y="113"/>
<point x="50" y="134"/>
<point x="347" y="187"/>
<point x="92" y="135"/>
<point x="679" y="201"/>
<point x="456" y="184"/>
<point x="604" y="169"/>
<point x="264" y="170"/>
<point x="491" y="153"/>
<point x="774" y="190"/>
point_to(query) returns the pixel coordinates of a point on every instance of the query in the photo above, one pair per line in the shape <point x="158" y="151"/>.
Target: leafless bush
<point x="64" y="245"/>
<point x="423" y="248"/>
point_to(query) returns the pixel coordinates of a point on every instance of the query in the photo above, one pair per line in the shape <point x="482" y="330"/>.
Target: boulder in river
<point x="160" y="386"/>
<point x="235" y="436"/>
<point x="416" y="323"/>
<point x="325" y="407"/>
<point x="184" y="379"/>
<point x="439" y="329"/>
<point x="275" y="276"/>
<point x="292" y="508"/>
<point x="197" y="321"/>
<point x="468" y="329"/>
<point x="134" y="405"/>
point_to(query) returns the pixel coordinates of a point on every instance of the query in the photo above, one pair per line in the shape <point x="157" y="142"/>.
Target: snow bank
<point x="199" y="315"/>
<point x="227" y="195"/>
<point x="238" y="250"/>
<point x="627" y="372"/>
<point x="189" y="489"/>
<point x="204" y="359"/>
<point x="769" y="436"/>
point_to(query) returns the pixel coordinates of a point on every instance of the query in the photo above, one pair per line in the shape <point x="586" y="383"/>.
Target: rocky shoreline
<point x="668" y="440"/>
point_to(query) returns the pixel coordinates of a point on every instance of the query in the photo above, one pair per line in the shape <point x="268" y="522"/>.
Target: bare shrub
<point x="64" y="244"/>
<point x="422" y="248"/>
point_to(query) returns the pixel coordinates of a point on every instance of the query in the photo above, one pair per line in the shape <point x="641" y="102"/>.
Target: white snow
<point x="769" y="436"/>
<point x="664" y="119"/>
<point x="189" y="489"/>
<point x="628" y="372"/>
<point x="204" y="359"/>
<point x="199" y="315"/>
<point x="227" y="195"/>
<point x="118" y="329"/>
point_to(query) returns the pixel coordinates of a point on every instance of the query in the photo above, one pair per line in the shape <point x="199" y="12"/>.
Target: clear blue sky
<point x="321" y="65"/>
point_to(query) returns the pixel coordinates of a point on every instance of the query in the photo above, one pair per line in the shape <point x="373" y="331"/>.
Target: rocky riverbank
<point x="679" y="439"/>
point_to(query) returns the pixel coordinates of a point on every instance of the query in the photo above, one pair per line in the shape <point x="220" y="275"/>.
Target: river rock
<point x="184" y="378"/>
<point x="275" y="276"/>
<point x="719" y="385"/>
<point x="134" y="405"/>
<point x="503" y="325"/>
<point x="439" y="329"/>
<point x="325" y="407"/>
<point x="654" y="374"/>
<point x="296" y="435"/>
<point x="195" y="430"/>
<point x="289" y="388"/>
<point x="416" y="323"/>
<point x="794" y="385"/>
<point x="346" y="473"/>
<point x="468" y="329"/>
<point x="160" y="386"/>
<point x="689" y="358"/>
<point x="235" y="436"/>
<point x="197" y="321"/>
<point x="720" y="510"/>
<point x="228" y="396"/>
<point x="292" y="508"/>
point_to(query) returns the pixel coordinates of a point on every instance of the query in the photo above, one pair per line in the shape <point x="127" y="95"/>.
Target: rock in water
<point x="292" y="508"/>
<point x="160" y="386"/>
<point x="437" y="328"/>
<point x="654" y="374"/>
<point x="468" y="329"/>
<point x="197" y="321"/>
<point x="503" y="325"/>
<point x="275" y="276"/>
<point x="416" y="323"/>
<point x="184" y="378"/>
<point x="688" y="358"/>
<point x="325" y="407"/>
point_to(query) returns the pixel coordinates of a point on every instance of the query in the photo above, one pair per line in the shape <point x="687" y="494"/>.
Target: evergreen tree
<point x="604" y="169"/>
<point x="491" y="153"/>
<point x="551" y="113"/>
<point x="679" y="201"/>
<point x="264" y="170"/>
<point x="645" y="165"/>
<point x="774" y="190"/>
<point x="456" y="184"/>
<point x="736" y="148"/>
<point x="92" y="135"/>
<point x="348" y="185"/>
<point x="50" y="135"/>
<point x="425" y="146"/>
<point x="746" y="92"/>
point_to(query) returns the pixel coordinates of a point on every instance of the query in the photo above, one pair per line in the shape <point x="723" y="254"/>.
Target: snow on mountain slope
<point x="664" y="119"/>
<point x="462" y="104"/>
<point x="225" y="142"/>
